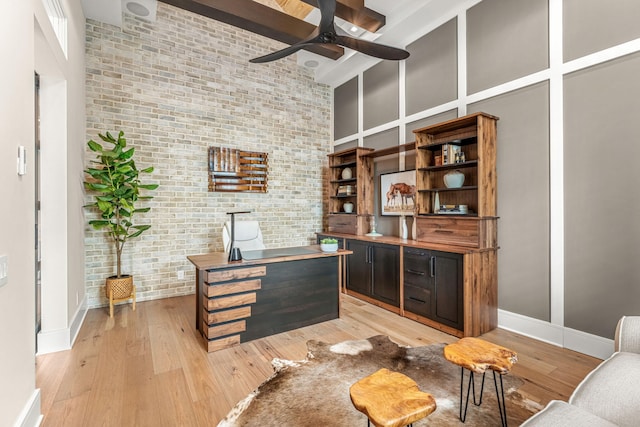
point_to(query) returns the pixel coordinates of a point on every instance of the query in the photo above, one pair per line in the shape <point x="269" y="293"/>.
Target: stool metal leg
<point x="471" y="388"/>
<point x="502" y="406"/>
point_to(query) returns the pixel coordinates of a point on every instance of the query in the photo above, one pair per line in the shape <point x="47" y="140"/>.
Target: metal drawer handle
<point x="444" y="231"/>
<point x="419" y="273"/>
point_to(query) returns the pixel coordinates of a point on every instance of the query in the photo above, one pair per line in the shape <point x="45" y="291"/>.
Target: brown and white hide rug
<point x="315" y="392"/>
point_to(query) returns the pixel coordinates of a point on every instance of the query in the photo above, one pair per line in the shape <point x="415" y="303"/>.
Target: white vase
<point x="346" y="173"/>
<point x="404" y="233"/>
<point x="436" y="203"/>
<point x="348" y="207"/>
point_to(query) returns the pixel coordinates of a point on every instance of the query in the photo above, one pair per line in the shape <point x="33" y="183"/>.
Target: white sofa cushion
<point x="560" y="414"/>
<point x="612" y="390"/>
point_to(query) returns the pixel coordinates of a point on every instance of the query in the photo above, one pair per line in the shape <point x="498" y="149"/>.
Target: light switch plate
<point x="4" y="270"/>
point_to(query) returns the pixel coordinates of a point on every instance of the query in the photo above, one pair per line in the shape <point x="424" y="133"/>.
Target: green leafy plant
<point x="328" y="241"/>
<point x="115" y="180"/>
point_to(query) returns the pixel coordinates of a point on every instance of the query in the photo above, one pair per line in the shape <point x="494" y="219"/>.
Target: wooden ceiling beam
<point x="355" y="12"/>
<point x="259" y="19"/>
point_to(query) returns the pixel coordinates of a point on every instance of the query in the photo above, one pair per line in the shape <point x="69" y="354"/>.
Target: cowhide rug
<point x="315" y="392"/>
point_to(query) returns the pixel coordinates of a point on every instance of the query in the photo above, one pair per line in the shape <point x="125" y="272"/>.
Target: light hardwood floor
<point x="149" y="368"/>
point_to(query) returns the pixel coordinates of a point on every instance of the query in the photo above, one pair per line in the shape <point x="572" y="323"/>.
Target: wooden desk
<point x="268" y="292"/>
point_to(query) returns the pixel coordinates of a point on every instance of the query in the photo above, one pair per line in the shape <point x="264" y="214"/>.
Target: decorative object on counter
<point x="345" y="190"/>
<point x="234" y="252"/>
<point x="329" y="245"/>
<point x="115" y="181"/>
<point x="398" y="193"/>
<point x="348" y="207"/>
<point x="234" y="170"/>
<point x="404" y="232"/>
<point x="414" y="223"/>
<point x="346" y="173"/>
<point x="436" y="203"/>
<point x="373" y="232"/>
<point x="454" y="179"/>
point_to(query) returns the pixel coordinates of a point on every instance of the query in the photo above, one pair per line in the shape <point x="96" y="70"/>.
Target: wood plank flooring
<point x="149" y="367"/>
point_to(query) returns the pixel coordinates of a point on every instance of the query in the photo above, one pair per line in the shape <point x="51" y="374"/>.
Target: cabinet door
<point x="448" y="289"/>
<point x="358" y="267"/>
<point x="386" y="273"/>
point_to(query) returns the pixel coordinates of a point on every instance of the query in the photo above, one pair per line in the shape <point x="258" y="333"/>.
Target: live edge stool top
<point x="478" y="355"/>
<point x="391" y="399"/>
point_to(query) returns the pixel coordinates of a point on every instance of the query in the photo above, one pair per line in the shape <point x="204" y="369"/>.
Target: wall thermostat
<point x="22" y="160"/>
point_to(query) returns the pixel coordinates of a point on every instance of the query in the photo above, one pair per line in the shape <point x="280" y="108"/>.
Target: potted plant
<point x="115" y="181"/>
<point x="329" y="244"/>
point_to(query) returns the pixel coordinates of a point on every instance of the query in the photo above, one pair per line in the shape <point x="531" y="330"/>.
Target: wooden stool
<point x="391" y="399"/>
<point x="477" y="356"/>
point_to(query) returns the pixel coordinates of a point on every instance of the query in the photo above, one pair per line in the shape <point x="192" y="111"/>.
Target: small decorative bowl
<point x="329" y="247"/>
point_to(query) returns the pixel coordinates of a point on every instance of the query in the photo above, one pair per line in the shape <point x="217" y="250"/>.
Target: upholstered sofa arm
<point x="628" y="334"/>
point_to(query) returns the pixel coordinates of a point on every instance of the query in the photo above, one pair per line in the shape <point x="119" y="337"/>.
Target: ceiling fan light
<point x="353" y="29"/>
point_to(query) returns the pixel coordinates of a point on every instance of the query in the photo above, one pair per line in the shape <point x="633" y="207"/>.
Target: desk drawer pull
<point x="417" y="300"/>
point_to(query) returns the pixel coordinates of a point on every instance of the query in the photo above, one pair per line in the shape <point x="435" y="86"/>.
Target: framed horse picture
<point x="398" y="193"/>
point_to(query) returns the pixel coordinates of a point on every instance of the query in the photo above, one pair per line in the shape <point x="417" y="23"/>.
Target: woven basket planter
<point x="122" y="287"/>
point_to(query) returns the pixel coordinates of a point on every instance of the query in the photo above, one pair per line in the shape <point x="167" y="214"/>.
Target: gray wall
<point x="582" y="112"/>
<point x="601" y="194"/>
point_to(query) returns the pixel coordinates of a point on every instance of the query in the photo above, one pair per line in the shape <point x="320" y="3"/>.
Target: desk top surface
<point x="216" y="260"/>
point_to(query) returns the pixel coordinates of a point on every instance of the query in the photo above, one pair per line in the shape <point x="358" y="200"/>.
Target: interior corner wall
<point x="565" y="128"/>
<point x="176" y="87"/>
<point x="17" y="308"/>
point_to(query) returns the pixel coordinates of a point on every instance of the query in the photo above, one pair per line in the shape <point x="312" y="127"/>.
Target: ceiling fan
<point x="328" y="33"/>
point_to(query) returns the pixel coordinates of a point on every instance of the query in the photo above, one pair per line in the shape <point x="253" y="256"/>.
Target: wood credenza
<point x="268" y="292"/>
<point x="448" y="287"/>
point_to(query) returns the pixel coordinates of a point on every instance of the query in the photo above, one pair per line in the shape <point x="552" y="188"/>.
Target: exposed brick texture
<point x="176" y="87"/>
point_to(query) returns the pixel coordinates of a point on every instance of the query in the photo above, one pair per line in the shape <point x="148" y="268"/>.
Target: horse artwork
<point x="400" y="195"/>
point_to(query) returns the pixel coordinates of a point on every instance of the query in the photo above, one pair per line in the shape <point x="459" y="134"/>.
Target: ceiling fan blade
<point x="327" y="13"/>
<point x="279" y="54"/>
<point x="372" y="49"/>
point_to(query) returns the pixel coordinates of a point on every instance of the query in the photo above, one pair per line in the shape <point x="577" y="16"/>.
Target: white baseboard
<point x="63" y="339"/>
<point x="30" y="415"/>
<point x="561" y="336"/>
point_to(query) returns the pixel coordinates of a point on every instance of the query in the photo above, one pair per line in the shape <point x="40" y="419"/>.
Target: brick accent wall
<point x="176" y="87"/>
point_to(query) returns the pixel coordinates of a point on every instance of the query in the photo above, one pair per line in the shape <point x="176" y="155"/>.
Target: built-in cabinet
<point x="447" y="276"/>
<point x="351" y="194"/>
<point x="433" y="283"/>
<point x="373" y="271"/>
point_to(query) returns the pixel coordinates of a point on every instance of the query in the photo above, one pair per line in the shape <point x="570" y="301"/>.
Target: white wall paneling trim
<point x="360" y="108"/>
<point x="78" y="320"/>
<point x="30" y="415"/>
<point x="52" y="341"/>
<point x="583" y="342"/>
<point x="602" y="56"/>
<point x="556" y="165"/>
<point x="462" y="63"/>
<point x="560" y="336"/>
